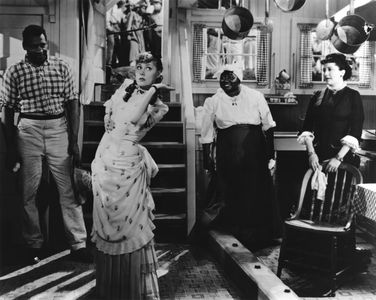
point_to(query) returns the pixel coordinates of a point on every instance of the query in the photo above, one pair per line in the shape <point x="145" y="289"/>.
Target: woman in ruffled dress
<point x="126" y="263"/>
<point x="334" y="119"/>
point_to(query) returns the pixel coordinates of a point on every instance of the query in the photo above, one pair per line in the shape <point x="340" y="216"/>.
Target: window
<point x="212" y="49"/>
<point x="216" y="3"/>
<point x="313" y="50"/>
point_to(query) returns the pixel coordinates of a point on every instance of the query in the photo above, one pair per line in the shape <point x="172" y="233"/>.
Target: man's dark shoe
<point x="82" y="255"/>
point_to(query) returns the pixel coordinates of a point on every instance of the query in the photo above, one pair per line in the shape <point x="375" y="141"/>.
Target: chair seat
<point x="327" y="243"/>
<point x="316" y="226"/>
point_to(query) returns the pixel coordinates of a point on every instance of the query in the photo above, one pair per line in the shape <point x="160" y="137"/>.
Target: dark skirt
<point x="127" y="276"/>
<point x="245" y="184"/>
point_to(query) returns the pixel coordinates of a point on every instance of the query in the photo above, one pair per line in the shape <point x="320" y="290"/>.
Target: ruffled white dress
<point x="122" y="210"/>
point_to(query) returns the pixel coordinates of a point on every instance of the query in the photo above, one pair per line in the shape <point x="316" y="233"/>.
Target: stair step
<point x="171" y="166"/>
<point x="159" y="124"/>
<point x="146" y="144"/>
<point x="95" y="111"/>
<point x="170" y="178"/>
<point x="94" y="130"/>
<point x="170" y="217"/>
<point x="162" y="152"/>
<point x="107" y="90"/>
<point x="100" y="103"/>
<point x="160" y="166"/>
<point x="163" y="144"/>
<point x="162" y="191"/>
<point x="158" y="217"/>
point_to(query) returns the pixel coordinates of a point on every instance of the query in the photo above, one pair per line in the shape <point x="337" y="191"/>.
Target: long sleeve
<point x="357" y="116"/>
<point x="265" y="115"/>
<point x="207" y="128"/>
<point x="308" y="124"/>
<point x="70" y="91"/>
<point x="154" y="114"/>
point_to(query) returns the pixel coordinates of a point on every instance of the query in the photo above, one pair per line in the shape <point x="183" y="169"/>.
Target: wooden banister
<point x="189" y="121"/>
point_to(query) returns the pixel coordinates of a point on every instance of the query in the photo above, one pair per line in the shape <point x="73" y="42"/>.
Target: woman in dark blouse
<point x="334" y="119"/>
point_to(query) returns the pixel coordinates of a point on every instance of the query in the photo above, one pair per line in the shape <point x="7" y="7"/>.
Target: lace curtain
<point x="263" y="55"/>
<point x="306" y="57"/>
<point x="198" y="51"/>
<point x="364" y="57"/>
<point x="365" y="63"/>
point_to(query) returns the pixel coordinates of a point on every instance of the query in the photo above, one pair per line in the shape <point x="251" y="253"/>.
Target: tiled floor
<point x="184" y="273"/>
<point x="191" y="273"/>
<point x="357" y="286"/>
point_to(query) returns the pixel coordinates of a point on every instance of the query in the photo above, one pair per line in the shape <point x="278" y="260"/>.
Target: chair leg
<point x="279" y="269"/>
<point x="281" y="257"/>
<point x="333" y="265"/>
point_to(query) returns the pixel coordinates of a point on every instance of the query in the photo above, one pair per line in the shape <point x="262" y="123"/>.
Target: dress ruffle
<point x="351" y="141"/>
<point x="305" y="135"/>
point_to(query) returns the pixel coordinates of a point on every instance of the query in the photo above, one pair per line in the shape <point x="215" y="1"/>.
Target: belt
<point x="42" y="117"/>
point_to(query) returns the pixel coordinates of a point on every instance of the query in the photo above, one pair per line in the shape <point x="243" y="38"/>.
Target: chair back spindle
<point x="333" y="198"/>
<point x="336" y="207"/>
<point x="341" y="197"/>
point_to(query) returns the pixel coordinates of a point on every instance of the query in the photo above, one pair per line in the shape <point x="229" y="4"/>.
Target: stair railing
<point x="189" y="120"/>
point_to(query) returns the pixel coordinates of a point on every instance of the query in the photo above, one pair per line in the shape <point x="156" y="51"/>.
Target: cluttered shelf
<point x="287" y="99"/>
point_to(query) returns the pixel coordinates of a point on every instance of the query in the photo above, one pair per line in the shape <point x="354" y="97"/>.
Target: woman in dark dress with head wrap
<point x="241" y="120"/>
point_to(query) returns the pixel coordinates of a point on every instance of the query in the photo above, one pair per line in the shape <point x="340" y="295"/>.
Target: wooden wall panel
<point x="290" y="118"/>
<point x="24" y="2"/>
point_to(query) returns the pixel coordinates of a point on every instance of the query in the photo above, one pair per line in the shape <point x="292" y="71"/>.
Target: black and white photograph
<point x="187" y="149"/>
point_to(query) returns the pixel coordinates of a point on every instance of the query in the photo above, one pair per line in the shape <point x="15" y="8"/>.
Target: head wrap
<point x="235" y="68"/>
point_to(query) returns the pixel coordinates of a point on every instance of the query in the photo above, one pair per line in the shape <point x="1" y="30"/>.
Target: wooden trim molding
<point x="52" y="11"/>
<point x="24" y="10"/>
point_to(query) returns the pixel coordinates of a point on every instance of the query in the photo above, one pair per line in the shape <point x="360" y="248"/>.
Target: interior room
<point x="257" y="179"/>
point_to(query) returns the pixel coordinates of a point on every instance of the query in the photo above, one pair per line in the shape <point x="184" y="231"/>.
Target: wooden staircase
<point x="166" y="144"/>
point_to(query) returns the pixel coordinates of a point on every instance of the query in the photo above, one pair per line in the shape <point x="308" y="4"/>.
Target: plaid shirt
<point x="44" y="89"/>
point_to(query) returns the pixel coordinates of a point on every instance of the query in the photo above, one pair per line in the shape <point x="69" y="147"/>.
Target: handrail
<point x="186" y="78"/>
<point x="189" y="120"/>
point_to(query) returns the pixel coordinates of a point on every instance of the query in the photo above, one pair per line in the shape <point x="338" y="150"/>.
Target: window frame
<point x="213" y="18"/>
<point x="295" y="36"/>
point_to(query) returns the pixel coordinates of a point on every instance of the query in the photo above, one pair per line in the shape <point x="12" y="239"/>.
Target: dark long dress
<point x="332" y="117"/>
<point x="245" y="184"/>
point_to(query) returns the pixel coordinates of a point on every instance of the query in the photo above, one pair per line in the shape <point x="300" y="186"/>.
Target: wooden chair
<point x="321" y="234"/>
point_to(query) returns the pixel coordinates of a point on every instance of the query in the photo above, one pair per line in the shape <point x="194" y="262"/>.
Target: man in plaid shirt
<point x="41" y="90"/>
